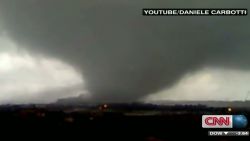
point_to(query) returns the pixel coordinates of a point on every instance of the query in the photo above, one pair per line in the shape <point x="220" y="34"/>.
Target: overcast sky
<point x="108" y="51"/>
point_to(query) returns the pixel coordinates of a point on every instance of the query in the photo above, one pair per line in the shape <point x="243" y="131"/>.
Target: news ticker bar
<point x="194" y="12"/>
<point x="228" y="133"/>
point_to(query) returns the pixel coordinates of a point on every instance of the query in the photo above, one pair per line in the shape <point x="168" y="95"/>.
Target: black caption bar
<point x="194" y="12"/>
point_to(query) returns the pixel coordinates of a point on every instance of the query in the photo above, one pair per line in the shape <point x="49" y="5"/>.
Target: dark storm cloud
<point x="123" y="55"/>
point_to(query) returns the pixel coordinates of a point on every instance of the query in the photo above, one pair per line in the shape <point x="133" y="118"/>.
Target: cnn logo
<point x="217" y="121"/>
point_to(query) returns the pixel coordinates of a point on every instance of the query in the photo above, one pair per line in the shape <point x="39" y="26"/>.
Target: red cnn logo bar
<point x="217" y="121"/>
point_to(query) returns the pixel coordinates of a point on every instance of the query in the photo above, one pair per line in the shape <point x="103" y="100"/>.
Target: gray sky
<point x="51" y="49"/>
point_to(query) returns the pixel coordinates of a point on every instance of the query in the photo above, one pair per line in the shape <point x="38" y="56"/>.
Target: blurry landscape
<point x="111" y="69"/>
<point x="120" y="121"/>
